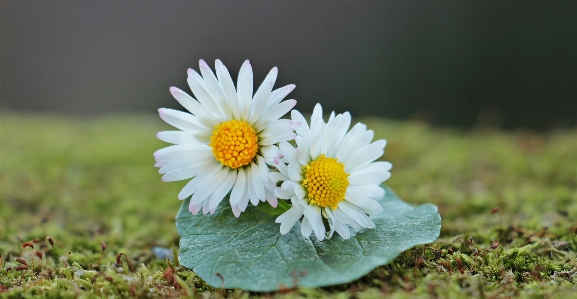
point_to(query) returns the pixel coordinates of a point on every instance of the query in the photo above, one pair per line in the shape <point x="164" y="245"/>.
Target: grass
<point x="508" y="202"/>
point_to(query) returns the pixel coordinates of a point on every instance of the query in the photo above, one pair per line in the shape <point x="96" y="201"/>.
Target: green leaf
<point x="282" y="207"/>
<point x="250" y="253"/>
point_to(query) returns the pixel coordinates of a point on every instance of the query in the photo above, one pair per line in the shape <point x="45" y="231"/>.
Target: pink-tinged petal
<point x="277" y="95"/>
<point x="215" y="90"/>
<point x="194" y="209"/>
<point x="236" y="211"/>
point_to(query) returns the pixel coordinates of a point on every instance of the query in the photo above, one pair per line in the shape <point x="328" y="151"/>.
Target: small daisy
<point x="225" y="143"/>
<point x="331" y="174"/>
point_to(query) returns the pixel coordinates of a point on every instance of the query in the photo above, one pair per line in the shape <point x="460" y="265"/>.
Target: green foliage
<point x="249" y="252"/>
<point x="83" y="182"/>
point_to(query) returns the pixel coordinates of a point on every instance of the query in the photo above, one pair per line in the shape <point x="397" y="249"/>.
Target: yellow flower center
<point x="234" y="143"/>
<point x="325" y="181"/>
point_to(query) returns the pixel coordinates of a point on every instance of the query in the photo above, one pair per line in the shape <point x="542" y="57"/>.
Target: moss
<point x="508" y="202"/>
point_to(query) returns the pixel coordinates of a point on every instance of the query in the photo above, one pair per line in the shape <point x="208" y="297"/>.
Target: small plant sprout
<point x="119" y="261"/>
<point x="103" y="246"/>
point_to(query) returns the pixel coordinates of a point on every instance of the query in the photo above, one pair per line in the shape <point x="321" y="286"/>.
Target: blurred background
<point x="504" y="64"/>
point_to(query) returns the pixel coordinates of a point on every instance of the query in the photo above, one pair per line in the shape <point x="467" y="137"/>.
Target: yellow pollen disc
<point x="234" y="143"/>
<point x="325" y="182"/>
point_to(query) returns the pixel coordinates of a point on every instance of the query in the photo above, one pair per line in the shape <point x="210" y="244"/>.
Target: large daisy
<point x="225" y="143"/>
<point x="331" y="174"/>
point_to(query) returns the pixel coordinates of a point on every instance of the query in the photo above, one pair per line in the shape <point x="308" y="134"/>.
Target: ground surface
<point x="508" y="202"/>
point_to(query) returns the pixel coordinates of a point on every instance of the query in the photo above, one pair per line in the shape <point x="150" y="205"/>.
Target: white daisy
<point x="331" y="174"/>
<point x="225" y="143"/>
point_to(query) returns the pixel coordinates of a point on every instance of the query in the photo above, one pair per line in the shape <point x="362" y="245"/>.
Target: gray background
<point x="505" y="63"/>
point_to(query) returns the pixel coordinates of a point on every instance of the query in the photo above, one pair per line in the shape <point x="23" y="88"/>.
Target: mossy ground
<point x="508" y="202"/>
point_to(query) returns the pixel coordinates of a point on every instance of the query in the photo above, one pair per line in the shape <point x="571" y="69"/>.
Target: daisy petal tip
<point x="236" y="212"/>
<point x="202" y="64"/>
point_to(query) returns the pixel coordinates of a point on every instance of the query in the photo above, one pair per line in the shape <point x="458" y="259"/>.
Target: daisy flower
<point x="331" y="174"/>
<point x="225" y="143"/>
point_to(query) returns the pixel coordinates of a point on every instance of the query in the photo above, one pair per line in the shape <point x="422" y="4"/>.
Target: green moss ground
<point x="87" y="181"/>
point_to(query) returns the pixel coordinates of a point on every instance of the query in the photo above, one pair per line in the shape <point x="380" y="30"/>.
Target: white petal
<point x="315" y="142"/>
<point x="244" y="89"/>
<point x="367" y="190"/>
<point x="369" y="177"/>
<point x="250" y="188"/>
<point x="316" y="119"/>
<point x="209" y="185"/>
<point x="228" y="88"/>
<point x="236" y="210"/>
<point x="338" y="134"/>
<point x="257" y="181"/>
<point x="160" y="164"/>
<point x="181" y="163"/>
<point x="374" y="166"/>
<point x="365" y="204"/>
<point x="276" y="177"/>
<point x="271" y="154"/>
<point x="353" y="141"/>
<point x="294" y="171"/>
<point x="180" y="120"/>
<point x="287" y="150"/>
<point x="275" y="113"/>
<point x="277" y="127"/>
<point x="338" y="226"/>
<point x="285" y="191"/>
<point x="303" y="155"/>
<point x="206" y="119"/>
<point x="288" y="219"/>
<point x="187" y="172"/>
<point x="239" y="189"/>
<point x="354" y="212"/>
<point x="197" y="182"/>
<point x="262" y="96"/>
<point x="223" y="189"/>
<point x="303" y="129"/>
<point x="277" y="131"/>
<point x="170" y="153"/>
<point x="243" y="203"/>
<point x="195" y="84"/>
<point x="366" y="155"/>
<point x="263" y="168"/>
<point x="194" y="209"/>
<point x="314" y="216"/>
<point x="214" y="90"/>
<point x="271" y="198"/>
<point x="176" y="137"/>
<point x="205" y="209"/>
<point x="277" y="96"/>
<point x="306" y="228"/>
